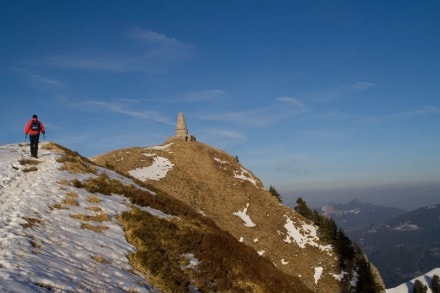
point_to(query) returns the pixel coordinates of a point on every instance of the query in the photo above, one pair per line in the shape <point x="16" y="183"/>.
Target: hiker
<point x="34" y="127"/>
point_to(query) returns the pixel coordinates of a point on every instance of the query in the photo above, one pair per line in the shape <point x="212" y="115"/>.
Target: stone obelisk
<point x="181" y="129"/>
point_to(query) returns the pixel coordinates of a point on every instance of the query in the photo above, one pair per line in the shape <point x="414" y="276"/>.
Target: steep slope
<point x="356" y="215"/>
<point x="405" y="246"/>
<point x="68" y="225"/>
<point x="218" y="187"/>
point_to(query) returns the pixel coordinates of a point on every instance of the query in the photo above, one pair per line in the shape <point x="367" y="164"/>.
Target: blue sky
<point x="328" y="100"/>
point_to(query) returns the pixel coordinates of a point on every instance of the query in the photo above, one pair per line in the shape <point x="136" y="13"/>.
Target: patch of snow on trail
<point x="43" y="248"/>
<point x="245" y="217"/>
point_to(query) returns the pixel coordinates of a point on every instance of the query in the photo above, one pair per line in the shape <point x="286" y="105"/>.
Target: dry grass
<point x="101" y="259"/>
<point x="28" y="162"/>
<point x="59" y="206"/>
<point x="94" y="199"/>
<point x="99" y="217"/>
<point x="226" y="265"/>
<point x="64" y="182"/>
<point x="31" y="222"/>
<point x="71" y="199"/>
<point x="97" y="229"/>
<point x="72" y="161"/>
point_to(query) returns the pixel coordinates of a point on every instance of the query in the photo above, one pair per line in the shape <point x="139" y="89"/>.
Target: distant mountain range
<point x="356" y="215"/>
<point x="402" y="245"/>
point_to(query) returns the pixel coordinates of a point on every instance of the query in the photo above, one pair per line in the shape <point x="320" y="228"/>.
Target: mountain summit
<point x="218" y="187"/>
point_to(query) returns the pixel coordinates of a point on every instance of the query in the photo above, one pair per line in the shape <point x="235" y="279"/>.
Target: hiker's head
<point x="34" y="116"/>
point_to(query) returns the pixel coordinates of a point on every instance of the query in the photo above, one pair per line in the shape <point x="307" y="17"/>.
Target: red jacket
<point x="28" y="130"/>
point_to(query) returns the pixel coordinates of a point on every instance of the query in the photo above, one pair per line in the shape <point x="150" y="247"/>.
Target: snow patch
<point x="164" y="147"/>
<point x="354" y="279"/>
<point x="221" y="161"/>
<point x="318" y="273"/>
<point x="407" y="226"/>
<point x="155" y="212"/>
<point x="303" y="235"/>
<point x="245" y="217"/>
<point x="158" y="170"/>
<point x="339" y="277"/>
<point x="192" y="261"/>
<point x="245" y="175"/>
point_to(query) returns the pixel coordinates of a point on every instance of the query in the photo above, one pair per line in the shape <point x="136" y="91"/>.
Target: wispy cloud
<point x="39" y="81"/>
<point x="428" y="110"/>
<point x="204" y="96"/>
<point x="228" y="137"/>
<point x="154" y="53"/>
<point x="283" y="108"/>
<point x="339" y="92"/>
<point x="120" y="108"/>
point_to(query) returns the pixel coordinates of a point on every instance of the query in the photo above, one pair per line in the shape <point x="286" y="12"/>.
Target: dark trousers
<point x="34" y="144"/>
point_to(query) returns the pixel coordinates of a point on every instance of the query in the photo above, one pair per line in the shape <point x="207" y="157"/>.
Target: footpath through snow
<point x="43" y="247"/>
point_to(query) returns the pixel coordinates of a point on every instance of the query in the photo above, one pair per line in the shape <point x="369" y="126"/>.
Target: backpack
<point x="35" y="126"/>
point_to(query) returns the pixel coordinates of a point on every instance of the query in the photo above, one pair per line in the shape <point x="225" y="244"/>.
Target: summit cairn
<point x="181" y="130"/>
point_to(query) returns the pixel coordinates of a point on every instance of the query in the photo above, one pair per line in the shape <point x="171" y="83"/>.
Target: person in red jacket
<point x="34" y="127"/>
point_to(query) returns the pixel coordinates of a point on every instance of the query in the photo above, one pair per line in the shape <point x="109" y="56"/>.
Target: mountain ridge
<point x="71" y="217"/>
<point x="215" y="184"/>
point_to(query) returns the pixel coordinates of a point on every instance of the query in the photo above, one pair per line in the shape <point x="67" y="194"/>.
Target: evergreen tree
<point x="275" y="193"/>
<point x="419" y="287"/>
<point x="366" y="283"/>
<point x="303" y="209"/>
<point x="435" y="284"/>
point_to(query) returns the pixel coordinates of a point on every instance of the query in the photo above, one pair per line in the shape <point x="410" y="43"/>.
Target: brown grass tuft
<point x="100" y="217"/>
<point x="71" y="199"/>
<point x="28" y="162"/>
<point x="98" y="229"/>
<point x="31" y="222"/>
<point x="94" y="199"/>
<point x="100" y="259"/>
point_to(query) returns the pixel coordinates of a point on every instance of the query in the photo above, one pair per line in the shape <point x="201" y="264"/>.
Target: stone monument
<point x="181" y="130"/>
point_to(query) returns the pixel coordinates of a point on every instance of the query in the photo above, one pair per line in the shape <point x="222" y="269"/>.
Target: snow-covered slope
<point x="44" y="244"/>
<point x="409" y="286"/>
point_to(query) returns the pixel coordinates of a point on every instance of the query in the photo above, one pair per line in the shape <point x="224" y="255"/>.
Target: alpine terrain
<point x="179" y="217"/>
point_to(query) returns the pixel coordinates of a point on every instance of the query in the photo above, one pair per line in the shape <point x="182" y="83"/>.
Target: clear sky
<point x="328" y="100"/>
